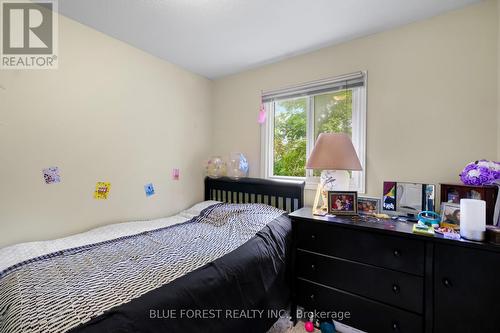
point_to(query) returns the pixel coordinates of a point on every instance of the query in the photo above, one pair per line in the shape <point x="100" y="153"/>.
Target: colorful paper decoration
<point x="262" y="114"/>
<point x="51" y="175"/>
<point x="175" y="174"/>
<point x="102" y="190"/>
<point x="149" y="189"/>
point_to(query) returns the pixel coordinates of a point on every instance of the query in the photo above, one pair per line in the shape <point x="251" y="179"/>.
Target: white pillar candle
<point x="473" y="219"/>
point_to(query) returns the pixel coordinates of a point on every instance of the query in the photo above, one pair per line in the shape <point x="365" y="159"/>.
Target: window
<point x="297" y="115"/>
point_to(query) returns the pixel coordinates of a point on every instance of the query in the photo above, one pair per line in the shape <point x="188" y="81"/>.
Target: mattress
<point x="110" y="278"/>
<point x="14" y="254"/>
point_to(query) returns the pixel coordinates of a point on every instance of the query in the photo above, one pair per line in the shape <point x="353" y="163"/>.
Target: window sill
<point x="311" y="183"/>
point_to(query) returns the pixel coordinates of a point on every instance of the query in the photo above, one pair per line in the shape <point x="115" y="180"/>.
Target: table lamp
<point x="334" y="154"/>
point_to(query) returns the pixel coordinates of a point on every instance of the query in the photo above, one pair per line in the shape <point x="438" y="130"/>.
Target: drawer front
<point x="466" y="290"/>
<point x="366" y="315"/>
<point x="395" y="288"/>
<point x="406" y="255"/>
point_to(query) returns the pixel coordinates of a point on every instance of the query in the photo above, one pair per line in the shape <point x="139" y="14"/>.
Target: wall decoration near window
<point x="262" y="113"/>
<point x="176" y="174"/>
<point x="297" y="115"/>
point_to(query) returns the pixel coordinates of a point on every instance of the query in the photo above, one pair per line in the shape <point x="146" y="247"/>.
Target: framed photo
<point x="369" y="205"/>
<point x="389" y="196"/>
<point x="343" y="202"/>
<point x="450" y="215"/>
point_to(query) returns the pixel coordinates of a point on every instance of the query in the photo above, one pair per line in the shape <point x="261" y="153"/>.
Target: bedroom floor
<point x="284" y="325"/>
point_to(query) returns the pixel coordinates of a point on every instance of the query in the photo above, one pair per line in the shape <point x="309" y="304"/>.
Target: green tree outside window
<point x="332" y="113"/>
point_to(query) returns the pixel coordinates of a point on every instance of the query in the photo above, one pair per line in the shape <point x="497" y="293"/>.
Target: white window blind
<point x="297" y="114"/>
<point x="343" y="82"/>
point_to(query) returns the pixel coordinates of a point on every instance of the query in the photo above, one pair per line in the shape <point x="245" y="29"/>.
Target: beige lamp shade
<point x="333" y="151"/>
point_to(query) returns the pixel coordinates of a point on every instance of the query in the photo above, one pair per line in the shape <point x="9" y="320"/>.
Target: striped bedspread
<point x="57" y="291"/>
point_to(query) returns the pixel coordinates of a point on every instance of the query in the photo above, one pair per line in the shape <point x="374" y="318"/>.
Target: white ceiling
<point x="215" y="38"/>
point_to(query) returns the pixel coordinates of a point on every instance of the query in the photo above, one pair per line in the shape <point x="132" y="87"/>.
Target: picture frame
<point x="342" y="202"/>
<point x="389" y="196"/>
<point x="450" y="215"/>
<point x="369" y="205"/>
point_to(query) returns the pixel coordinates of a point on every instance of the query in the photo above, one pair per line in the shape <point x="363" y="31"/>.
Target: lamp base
<point x="330" y="180"/>
<point x="319" y="212"/>
<point x="473" y="235"/>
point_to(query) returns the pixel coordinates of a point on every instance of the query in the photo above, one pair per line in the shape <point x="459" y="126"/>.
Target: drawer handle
<point x="397" y="253"/>
<point x="447" y="283"/>
<point x="313" y="267"/>
<point x="312" y="297"/>
<point x="313" y="236"/>
<point x="395" y="326"/>
<point x="396" y="289"/>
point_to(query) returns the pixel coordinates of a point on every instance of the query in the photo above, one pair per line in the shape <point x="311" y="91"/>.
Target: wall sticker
<point x="149" y="189"/>
<point x="176" y="174"/>
<point x="51" y="175"/>
<point x="102" y="190"/>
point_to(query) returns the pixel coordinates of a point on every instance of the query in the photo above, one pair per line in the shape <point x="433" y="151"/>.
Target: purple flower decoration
<point x="480" y="173"/>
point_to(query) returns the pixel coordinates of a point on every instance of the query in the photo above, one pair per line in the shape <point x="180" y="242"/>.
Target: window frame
<point x="358" y="139"/>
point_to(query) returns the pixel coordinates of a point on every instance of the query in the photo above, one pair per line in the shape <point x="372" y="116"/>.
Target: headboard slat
<point x="287" y="195"/>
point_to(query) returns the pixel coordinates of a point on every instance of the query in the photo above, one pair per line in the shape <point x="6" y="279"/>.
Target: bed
<point x="220" y="266"/>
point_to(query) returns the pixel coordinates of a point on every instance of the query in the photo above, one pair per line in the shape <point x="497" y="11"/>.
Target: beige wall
<point x="109" y="113"/>
<point x="432" y="96"/>
<point x="114" y="113"/>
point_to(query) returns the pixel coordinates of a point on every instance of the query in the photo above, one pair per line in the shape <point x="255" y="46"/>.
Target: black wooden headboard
<point x="286" y="195"/>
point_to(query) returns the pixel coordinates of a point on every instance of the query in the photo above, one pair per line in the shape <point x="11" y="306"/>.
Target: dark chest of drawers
<point x="391" y="280"/>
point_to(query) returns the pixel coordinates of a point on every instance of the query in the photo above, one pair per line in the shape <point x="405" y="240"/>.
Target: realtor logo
<point x="29" y="34"/>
